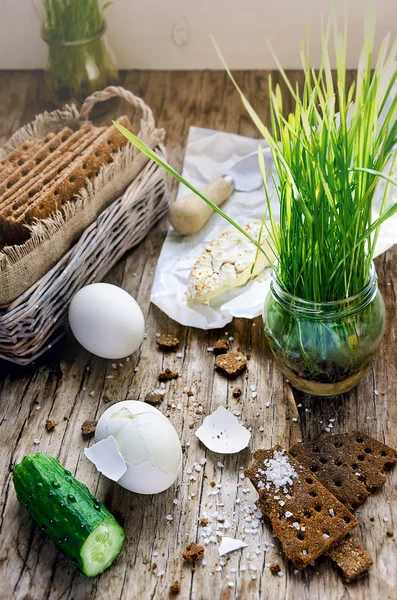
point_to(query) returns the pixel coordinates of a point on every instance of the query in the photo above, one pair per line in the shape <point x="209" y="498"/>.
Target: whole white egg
<point x="106" y="320"/>
<point x="147" y="441"/>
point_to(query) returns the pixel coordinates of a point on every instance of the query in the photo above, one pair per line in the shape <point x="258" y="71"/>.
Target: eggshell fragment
<point x="106" y="457"/>
<point x="221" y="432"/>
<point x="230" y="545"/>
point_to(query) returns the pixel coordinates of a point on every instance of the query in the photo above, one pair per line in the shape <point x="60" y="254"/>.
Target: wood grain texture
<point x="69" y="386"/>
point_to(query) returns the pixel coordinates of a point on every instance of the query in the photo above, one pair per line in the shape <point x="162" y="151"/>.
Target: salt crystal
<point x="169" y="518"/>
<point x="204" y="562"/>
<point x="327" y="429"/>
<point x="304" y="552"/>
<point x="254" y="394"/>
<point x="294" y="419"/>
<point x="252" y="568"/>
<point x="326" y="536"/>
<point x="155" y="554"/>
<point x="296" y="525"/>
<point x="92" y="393"/>
<point x="253" y="388"/>
<point x="109" y="377"/>
<point x="385" y="519"/>
<point x="158" y="335"/>
<point x="160" y="573"/>
<point x="197" y="468"/>
<point x="331" y="512"/>
<point x="36" y="441"/>
<point x="175" y="501"/>
<point x="38" y="407"/>
<point x="281" y="503"/>
<point x="279" y="470"/>
<point x="376" y="392"/>
<point x="288" y="514"/>
<point x="127" y="359"/>
<point x="299" y="405"/>
<point x="210" y="349"/>
<point x="114" y="366"/>
<point x="220" y="465"/>
<point x="280" y="573"/>
<point x="179" y="354"/>
<point x="230" y="583"/>
<point x="231" y="338"/>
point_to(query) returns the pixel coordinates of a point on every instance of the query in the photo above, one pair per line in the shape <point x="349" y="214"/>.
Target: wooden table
<point x="69" y="386"/>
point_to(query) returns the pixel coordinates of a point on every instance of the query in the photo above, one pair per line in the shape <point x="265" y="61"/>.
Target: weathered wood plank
<point x="62" y="382"/>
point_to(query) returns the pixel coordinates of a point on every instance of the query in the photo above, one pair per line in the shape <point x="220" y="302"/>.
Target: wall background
<point x="173" y="34"/>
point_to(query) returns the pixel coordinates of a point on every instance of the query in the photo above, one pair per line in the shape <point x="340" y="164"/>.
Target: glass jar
<point x="78" y="68"/>
<point x="324" y="348"/>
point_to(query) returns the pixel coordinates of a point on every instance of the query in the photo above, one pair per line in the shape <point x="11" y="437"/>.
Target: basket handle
<point x="111" y="92"/>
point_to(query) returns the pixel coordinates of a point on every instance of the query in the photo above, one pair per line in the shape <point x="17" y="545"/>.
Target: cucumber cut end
<point x="102" y="547"/>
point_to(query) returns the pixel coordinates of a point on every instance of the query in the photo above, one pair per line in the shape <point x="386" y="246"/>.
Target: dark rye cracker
<point x="51" y="169"/>
<point x="305" y="516"/>
<point x="10" y="233"/>
<point x="350" y="465"/>
<point x="351" y="558"/>
<point x="37" y="170"/>
<point x="6" y="188"/>
<point x="20" y="155"/>
<point x="86" y="166"/>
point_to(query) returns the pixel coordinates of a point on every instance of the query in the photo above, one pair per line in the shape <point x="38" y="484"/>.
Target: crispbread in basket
<point x="36" y="319"/>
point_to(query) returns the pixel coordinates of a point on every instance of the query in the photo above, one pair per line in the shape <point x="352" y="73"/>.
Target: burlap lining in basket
<point x="21" y="266"/>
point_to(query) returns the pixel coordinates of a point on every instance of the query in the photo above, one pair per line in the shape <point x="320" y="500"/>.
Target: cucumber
<point x="78" y="523"/>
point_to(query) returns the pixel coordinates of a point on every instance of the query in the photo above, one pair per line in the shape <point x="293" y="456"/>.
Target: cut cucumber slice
<point x="102" y="546"/>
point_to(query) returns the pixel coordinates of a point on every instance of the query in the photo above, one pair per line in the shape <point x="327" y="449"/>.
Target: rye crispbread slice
<point x="24" y="171"/>
<point x="12" y="233"/>
<point x="70" y="178"/>
<point x="351" y="465"/>
<point x="305" y="516"/>
<point x="41" y="170"/>
<point x="20" y="155"/>
<point x="351" y="558"/>
<point x="86" y="166"/>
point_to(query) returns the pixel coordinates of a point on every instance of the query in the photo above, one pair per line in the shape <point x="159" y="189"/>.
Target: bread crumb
<point x="193" y="552"/>
<point x="221" y="347"/>
<point x="167" y="342"/>
<point x="154" y="398"/>
<point x="167" y="374"/>
<point x="50" y="425"/>
<point x="236" y="392"/>
<point x="175" y="588"/>
<point x="88" y="427"/>
<point x="275" y="568"/>
<point x="231" y="364"/>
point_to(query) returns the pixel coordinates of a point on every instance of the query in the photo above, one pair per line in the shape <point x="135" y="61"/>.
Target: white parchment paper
<point x="208" y="155"/>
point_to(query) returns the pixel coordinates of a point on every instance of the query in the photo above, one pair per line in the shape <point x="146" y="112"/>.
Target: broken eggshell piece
<point x="221" y="432"/>
<point x="106" y="457"/>
<point x="147" y="442"/>
<point x="230" y="545"/>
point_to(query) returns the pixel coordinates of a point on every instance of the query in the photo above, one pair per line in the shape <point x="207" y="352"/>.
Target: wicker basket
<point x="33" y="322"/>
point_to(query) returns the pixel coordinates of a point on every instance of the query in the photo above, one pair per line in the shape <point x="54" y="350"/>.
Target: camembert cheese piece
<point x="226" y="264"/>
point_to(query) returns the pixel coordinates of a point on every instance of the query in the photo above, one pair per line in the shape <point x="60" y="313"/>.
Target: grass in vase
<point x="79" y="62"/>
<point x="329" y="155"/>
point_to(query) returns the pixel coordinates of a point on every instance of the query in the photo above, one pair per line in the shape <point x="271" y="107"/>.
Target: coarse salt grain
<point x="279" y="470"/>
<point x="36" y="441"/>
<point x="169" y="518"/>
